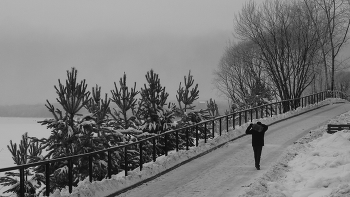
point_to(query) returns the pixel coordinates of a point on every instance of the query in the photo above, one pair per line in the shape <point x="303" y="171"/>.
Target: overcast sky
<point x="41" y="40"/>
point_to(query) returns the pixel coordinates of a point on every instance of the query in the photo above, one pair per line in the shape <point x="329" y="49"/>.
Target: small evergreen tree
<point x="124" y="119"/>
<point x="186" y="96"/>
<point x="153" y="100"/>
<point x="98" y="108"/>
<point x="26" y="152"/>
<point x="126" y="102"/>
<point x="72" y="133"/>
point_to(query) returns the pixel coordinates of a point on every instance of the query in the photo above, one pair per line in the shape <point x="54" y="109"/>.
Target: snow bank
<point x="119" y="181"/>
<point x="316" y="165"/>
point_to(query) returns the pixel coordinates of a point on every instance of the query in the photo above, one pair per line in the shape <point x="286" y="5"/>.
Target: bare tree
<point x="331" y="22"/>
<point x="240" y="76"/>
<point x="287" y="42"/>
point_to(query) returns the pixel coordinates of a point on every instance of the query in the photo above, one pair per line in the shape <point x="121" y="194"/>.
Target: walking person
<point x="258" y="132"/>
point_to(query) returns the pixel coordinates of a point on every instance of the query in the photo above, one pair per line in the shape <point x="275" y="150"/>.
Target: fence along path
<point x="205" y="129"/>
<point x="227" y="171"/>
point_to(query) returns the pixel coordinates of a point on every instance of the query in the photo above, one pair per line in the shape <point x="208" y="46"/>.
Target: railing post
<point x="47" y="178"/>
<point x="213" y="127"/>
<point x="240" y="118"/>
<point x="233" y="121"/>
<point x="314" y="98"/>
<point x="90" y="168"/>
<point x="226" y="123"/>
<point x="302" y="102"/>
<point x="154" y="149"/>
<point x="21" y="182"/>
<point x="271" y="110"/>
<point x="305" y="101"/>
<point x="276" y="104"/>
<point x="205" y="132"/>
<point x="311" y="99"/>
<point x="177" y="139"/>
<point x="220" y="126"/>
<point x="251" y="115"/>
<point x="166" y="144"/>
<point x="126" y="160"/>
<point x="70" y="175"/>
<point x="197" y="136"/>
<point x="187" y="140"/>
<point x="109" y="160"/>
<point x="141" y="156"/>
<point x="280" y="104"/>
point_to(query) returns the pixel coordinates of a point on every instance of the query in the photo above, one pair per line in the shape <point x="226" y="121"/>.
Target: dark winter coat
<point x="258" y="132"/>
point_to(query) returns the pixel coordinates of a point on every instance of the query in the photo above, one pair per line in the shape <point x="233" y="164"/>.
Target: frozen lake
<point x="13" y="129"/>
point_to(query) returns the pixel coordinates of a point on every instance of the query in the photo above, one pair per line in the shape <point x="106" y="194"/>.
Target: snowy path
<point x="225" y="171"/>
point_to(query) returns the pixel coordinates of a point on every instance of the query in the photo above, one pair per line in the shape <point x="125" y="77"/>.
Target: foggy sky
<point x="41" y="40"/>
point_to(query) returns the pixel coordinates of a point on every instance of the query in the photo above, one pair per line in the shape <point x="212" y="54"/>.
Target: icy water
<point x="13" y="129"/>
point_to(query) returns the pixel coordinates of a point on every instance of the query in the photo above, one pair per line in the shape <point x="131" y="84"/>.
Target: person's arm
<point x="248" y="130"/>
<point x="265" y="127"/>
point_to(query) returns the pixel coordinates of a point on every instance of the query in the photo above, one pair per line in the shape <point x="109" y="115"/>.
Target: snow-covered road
<point x="226" y="170"/>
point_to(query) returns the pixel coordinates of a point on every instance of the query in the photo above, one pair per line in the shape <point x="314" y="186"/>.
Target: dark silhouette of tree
<point x="241" y="77"/>
<point x="126" y="100"/>
<point x="331" y="23"/>
<point x="287" y="41"/>
<point x="153" y="100"/>
<point x="185" y="95"/>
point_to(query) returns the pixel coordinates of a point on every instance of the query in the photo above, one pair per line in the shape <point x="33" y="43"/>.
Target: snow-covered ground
<point x="118" y="182"/>
<point x="317" y="165"/>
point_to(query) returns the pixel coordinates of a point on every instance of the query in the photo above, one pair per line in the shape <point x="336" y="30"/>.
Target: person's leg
<point x="257" y="155"/>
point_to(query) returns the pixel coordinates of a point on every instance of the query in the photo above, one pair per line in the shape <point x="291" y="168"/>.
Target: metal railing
<point x="199" y="131"/>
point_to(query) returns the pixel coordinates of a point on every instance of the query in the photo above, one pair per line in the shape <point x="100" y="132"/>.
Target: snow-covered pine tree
<point x="126" y="100"/>
<point x="185" y="95"/>
<point x="72" y="133"/>
<point x="153" y="101"/>
<point x="154" y="114"/>
<point x="187" y="114"/>
<point x="124" y="119"/>
<point x="26" y="152"/>
<point x="104" y="135"/>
